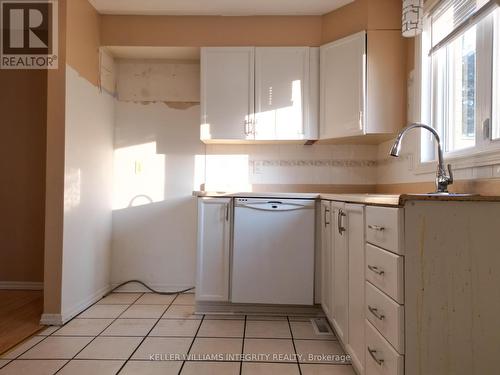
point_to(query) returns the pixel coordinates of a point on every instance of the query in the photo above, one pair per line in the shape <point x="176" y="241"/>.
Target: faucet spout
<point x="443" y="179"/>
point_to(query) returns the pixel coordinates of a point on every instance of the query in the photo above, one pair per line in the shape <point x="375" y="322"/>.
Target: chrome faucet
<point x="443" y="179"/>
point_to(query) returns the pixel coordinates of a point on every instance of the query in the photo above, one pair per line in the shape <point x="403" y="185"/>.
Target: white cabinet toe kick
<point x="230" y="308"/>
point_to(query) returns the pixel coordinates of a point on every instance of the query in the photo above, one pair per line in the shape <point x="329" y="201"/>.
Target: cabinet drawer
<point x="385" y="271"/>
<point x="381" y="358"/>
<point x="386" y="315"/>
<point x="384" y="227"/>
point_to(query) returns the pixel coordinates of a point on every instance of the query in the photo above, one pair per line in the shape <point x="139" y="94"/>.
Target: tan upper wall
<point x="83" y="39"/>
<point x="87" y="30"/>
<point x="210" y="31"/>
<point x="361" y="15"/>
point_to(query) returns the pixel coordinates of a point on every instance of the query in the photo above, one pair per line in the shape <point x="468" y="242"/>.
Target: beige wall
<point x="22" y="181"/>
<point x="361" y="15"/>
<point x="83" y="39"/>
<point x="210" y="30"/>
<point x="54" y="195"/>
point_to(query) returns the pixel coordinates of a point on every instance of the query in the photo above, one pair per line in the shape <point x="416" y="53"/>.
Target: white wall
<point x="87" y="194"/>
<point x="238" y="167"/>
<point x="155" y="240"/>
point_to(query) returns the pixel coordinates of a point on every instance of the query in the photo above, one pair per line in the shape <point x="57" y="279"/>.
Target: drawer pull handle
<point x="372" y="352"/>
<point x="375" y="312"/>
<point x="376" y="227"/>
<point x="376" y="270"/>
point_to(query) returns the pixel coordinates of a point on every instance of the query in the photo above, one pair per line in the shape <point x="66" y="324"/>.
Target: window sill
<point x="473" y="159"/>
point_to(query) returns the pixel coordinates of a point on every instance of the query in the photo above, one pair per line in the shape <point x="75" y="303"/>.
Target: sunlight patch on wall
<point x="222" y="172"/>
<point x="199" y="173"/>
<point x="139" y="176"/>
<point x="72" y="189"/>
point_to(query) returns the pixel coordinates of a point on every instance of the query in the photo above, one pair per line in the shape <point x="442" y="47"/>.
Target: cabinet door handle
<point x="375" y="312"/>
<point x="376" y="270"/>
<point x="376" y="227"/>
<point x="227" y="211"/>
<point x="325" y="217"/>
<point x="340" y="228"/>
<point x="372" y="352"/>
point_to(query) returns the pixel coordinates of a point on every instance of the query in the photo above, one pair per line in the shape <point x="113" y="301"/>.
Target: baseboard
<point x="21" y="285"/>
<point x="89" y="301"/>
<point x="138" y="288"/>
<point x="51" y="320"/>
<point x="60" y="319"/>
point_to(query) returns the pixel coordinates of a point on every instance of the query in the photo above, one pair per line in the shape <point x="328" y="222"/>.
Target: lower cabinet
<point x="343" y="277"/>
<point x="340" y="271"/>
<point x="213" y="252"/>
<point x="356" y="284"/>
<point x="326" y="258"/>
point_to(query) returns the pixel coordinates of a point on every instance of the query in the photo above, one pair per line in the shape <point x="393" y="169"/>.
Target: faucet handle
<point x="450" y="174"/>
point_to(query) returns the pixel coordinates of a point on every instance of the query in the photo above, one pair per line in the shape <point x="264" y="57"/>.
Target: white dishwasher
<point x="273" y="251"/>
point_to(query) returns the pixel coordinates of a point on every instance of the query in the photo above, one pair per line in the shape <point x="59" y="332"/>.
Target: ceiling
<point x="218" y="7"/>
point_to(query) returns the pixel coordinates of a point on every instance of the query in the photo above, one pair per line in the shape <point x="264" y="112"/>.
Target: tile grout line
<point x="96" y="336"/>
<point x="146" y="336"/>
<point x="243" y="344"/>
<point x="191" y="346"/>
<point x="294" y="348"/>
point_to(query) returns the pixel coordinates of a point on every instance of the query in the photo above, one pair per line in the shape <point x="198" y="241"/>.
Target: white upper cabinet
<point x="285" y="89"/>
<point x="227" y="98"/>
<point x="281" y="93"/>
<point x="343" y="87"/>
<point x="362" y="88"/>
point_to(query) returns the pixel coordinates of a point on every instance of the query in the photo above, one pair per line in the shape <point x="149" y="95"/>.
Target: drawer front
<point x="381" y="358"/>
<point x="386" y="315"/>
<point x="384" y="227"/>
<point x="385" y="270"/>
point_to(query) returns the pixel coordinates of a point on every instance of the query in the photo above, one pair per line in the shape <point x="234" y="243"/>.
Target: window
<point x="496" y="77"/>
<point x="461" y="61"/>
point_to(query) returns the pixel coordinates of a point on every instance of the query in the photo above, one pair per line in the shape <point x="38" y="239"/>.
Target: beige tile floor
<point x="143" y="333"/>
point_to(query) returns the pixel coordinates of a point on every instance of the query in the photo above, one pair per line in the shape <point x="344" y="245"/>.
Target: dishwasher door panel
<point x="273" y="254"/>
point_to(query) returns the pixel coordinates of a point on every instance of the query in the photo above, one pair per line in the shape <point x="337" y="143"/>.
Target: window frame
<point x="486" y="150"/>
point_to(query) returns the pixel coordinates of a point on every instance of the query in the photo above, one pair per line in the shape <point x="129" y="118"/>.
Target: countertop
<point x="374" y="199"/>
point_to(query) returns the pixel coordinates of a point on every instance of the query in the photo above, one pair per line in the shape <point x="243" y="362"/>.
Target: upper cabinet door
<point x="281" y="92"/>
<point x="343" y="72"/>
<point x="227" y="93"/>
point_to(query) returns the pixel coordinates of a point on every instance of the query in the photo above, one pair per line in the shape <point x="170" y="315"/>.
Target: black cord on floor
<point x="148" y="287"/>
